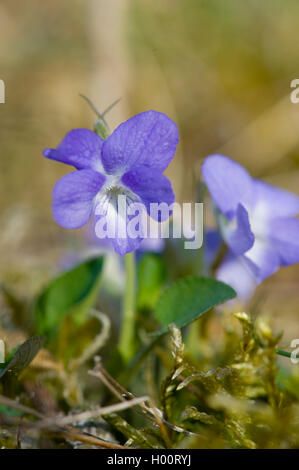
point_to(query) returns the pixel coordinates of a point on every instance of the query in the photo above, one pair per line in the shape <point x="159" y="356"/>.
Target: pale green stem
<point x="192" y="341"/>
<point x="128" y="328"/>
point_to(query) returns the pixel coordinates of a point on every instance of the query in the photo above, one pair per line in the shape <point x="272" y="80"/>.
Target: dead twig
<point x="150" y="413"/>
<point x="66" y="431"/>
<point x="96" y="344"/>
<point x="90" y="414"/>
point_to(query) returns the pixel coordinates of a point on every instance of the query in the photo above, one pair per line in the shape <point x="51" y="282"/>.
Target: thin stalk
<point x="127" y="334"/>
<point x="101" y="126"/>
<point x="286" y="354"/>
<point x="90" y="103"/>
<point x="110" y="107"/>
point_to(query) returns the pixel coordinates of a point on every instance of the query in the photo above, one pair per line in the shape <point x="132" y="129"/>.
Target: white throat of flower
<point x="106" y="201"/>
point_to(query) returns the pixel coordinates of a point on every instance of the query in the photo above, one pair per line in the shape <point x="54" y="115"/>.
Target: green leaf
<point x="5" y="410"/>
<point x="23" y="356"/>
<point x="73" y="292"/>
<point x="151" y="277"/>
<point x="288" y="379"/>
<point x="188" y="298"/>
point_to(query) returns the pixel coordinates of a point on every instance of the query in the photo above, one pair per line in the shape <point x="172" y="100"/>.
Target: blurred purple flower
<point x="212" y="244"/>
<point x="256" y="220"/>
<point x="129" y="163"/>
<point x="231" y="270"/>
<point x="152" y="245"/>
<point x="235" y="272"/>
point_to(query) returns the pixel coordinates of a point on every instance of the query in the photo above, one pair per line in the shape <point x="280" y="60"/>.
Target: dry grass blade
<point x="90" y="439"/>
<point x="19" y="407"/>
<point x="152" y="413"/>
<point x="98" y="342"/>
<point x="91" y="414"/>
<point x="55" y="426"/>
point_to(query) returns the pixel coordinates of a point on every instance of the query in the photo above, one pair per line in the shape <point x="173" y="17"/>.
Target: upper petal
<point x="271" y="202"/>
<point x="228" y="183"/>
<point x="73" y="195"/>
<point x="80" y="148"/>
<point x="149" y="138"/>
<point x="152" y="187"/>
<point x="285" y="239"/>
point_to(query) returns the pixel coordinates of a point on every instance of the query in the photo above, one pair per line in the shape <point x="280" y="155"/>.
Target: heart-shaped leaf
<point x="73" y="291"/>
<point x="188" y="298"/>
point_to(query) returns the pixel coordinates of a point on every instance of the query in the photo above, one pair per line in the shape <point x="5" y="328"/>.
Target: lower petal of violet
<point x="262" y="259"/>
<point x="124" y="226"/>
<point x="236" y="273"/>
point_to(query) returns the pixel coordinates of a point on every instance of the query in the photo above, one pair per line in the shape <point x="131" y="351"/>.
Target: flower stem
<point x="286" y="354"/>
<point x="127" y="334"/>
<point x="192" y="340"/>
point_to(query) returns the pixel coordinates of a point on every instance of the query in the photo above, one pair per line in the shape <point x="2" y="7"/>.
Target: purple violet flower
<point x="212" y="245"/>
<point x="256" y="220"/>
<point x="235" y="272"/>
<point x="129" y="163"/>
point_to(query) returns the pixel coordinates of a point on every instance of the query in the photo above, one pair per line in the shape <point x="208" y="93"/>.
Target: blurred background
<point x="221" y="69"/>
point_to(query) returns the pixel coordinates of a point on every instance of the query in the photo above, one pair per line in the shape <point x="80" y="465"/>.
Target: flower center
<point x="107" y="197"/>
